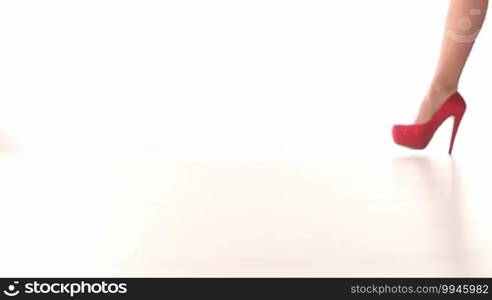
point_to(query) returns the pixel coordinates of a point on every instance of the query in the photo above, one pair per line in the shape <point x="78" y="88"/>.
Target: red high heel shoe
<point x="418" y="136"/>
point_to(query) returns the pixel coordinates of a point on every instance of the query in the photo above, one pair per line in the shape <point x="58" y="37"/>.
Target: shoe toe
<point x="399" y="133"/>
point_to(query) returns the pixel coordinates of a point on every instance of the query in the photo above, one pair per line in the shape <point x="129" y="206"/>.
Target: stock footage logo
<point x="64" y="287"/>
<point x="12" y="290"/>
<point x="464" y="32"/>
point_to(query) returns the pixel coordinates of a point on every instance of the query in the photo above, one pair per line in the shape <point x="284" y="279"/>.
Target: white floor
<point x="235" y="138"/>
<point x="154" y="214"/>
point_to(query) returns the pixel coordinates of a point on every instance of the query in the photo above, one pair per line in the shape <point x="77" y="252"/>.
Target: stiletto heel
<point x="456" y="125"/>
<point x="418" y="136"/>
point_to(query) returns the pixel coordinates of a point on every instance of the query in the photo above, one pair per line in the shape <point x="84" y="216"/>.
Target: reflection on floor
<point x="157" y="215"/>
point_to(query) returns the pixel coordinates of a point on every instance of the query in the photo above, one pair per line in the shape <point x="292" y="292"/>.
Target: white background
<point x="235" y="138"/>
<point x="236" y="75"/>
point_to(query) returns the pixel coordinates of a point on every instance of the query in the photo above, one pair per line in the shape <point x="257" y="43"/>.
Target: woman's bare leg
<point x="464" y="21"/>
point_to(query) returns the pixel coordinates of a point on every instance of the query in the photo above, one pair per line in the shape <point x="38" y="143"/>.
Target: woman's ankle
<point x="438" y="90"/>
<point x="436" y="96"/>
